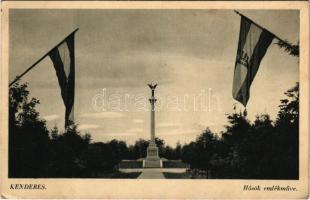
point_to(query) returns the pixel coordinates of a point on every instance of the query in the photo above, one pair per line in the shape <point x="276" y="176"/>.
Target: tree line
<point x="263" y="149"/>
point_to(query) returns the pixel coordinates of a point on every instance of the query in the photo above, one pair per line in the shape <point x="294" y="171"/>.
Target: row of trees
<point x="263" y="149"/>
<point x="35" y="151"/>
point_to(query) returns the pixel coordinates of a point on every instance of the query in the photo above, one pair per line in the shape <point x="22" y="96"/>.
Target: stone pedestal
<point x="152" y="159"/>
<point x="152" y="151"/>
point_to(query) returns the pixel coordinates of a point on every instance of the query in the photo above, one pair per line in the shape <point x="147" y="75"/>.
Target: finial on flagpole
<point x="237" y="12"/>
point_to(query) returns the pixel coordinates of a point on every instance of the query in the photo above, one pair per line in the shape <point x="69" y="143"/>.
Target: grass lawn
<point x="127" y="175"/>
<point x="118" y="174"/>
<point x="170" y="175"/>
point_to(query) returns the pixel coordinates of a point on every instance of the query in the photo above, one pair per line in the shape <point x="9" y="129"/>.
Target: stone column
<point x="152" y="101"/>
<point x="152" y="158"/>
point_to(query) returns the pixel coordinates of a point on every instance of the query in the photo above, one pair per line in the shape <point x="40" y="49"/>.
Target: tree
<point x="199" y="153"/>
<point x="99" y="158"/>
<point x="289" y="108"/>
<point x="139" y="148"/>
<point x="287" y="132"/>
<point x="290" y="48"/>
<point x="119" y="148"/>
<point x="178" y="151"/>
<point x="257" y="149"/>
<point x="66" y="152"/>
<point x="28" y="135"/>
<point x="160" y="143"/>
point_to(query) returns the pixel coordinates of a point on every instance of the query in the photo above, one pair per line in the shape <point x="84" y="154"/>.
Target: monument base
<point x="152" y="159"/>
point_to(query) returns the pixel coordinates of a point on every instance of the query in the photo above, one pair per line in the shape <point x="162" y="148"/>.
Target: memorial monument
<point x="152" y="158"/>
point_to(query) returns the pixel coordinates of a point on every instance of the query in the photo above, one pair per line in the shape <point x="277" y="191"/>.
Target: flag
<point x="253" y="44"/>
<point x="62" y="57"/>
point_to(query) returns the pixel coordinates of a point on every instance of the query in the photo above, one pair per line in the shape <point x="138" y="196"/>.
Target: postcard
<point x="150" y="99"/>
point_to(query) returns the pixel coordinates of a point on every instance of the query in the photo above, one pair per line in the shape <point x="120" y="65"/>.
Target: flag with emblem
<point x="62" y="57"/>
<point x="253" y="44"/>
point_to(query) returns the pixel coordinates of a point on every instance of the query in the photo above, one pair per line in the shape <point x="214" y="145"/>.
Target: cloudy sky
<point x="189" y="53"/>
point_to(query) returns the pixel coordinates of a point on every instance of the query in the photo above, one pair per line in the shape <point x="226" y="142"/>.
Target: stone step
<point x="152" y="158"/>
<point x="152" y="163"/>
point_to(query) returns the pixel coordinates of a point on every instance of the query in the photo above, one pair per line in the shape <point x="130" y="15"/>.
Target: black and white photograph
<point x="199" y="94"/>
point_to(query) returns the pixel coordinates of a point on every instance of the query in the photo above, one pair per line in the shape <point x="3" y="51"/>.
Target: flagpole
<point x="278" y="38"/>
<point x="40" y="59"/>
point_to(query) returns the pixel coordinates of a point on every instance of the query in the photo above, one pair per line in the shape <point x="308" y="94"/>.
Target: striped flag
<point x="62" y="57"/>
<point x="253" y="44"/>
